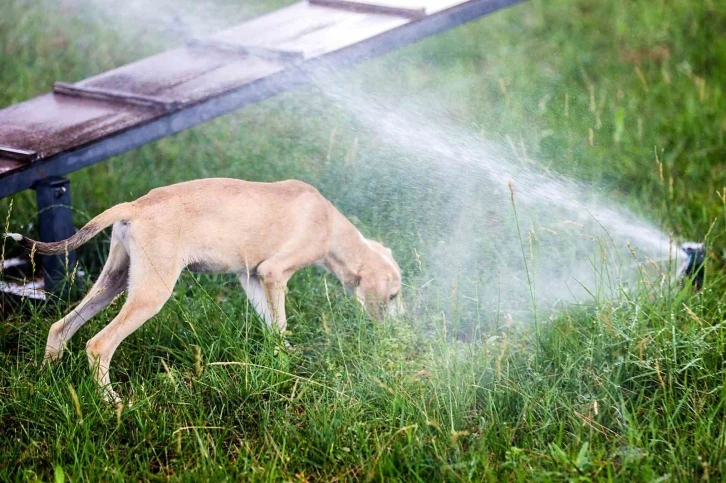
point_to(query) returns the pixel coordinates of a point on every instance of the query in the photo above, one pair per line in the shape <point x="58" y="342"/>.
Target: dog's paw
<point x="111" y="397"/>
<point x="50" y="358"/>
<point x="282" y="345"/>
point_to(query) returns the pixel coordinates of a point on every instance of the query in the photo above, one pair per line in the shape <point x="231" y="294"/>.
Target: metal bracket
<point x="66" y="89"/>
<point x="285" y="56"/>
<point x="18" y="154"/>
<point x="55" y="223"/>
<point x="372" y="7"/>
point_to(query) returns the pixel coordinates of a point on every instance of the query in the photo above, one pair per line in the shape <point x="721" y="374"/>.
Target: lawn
<point x="490" y="376"/>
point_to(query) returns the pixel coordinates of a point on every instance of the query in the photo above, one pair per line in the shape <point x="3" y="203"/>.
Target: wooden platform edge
<point x="110" y="95"/>
<point x="360" y="6"/>
<point x="18" y="154"/>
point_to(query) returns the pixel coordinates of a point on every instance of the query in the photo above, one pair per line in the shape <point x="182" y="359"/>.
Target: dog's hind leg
<point x="257" y="296"/>
<point x="150" y="286"/>
<point x="110" y="283"/>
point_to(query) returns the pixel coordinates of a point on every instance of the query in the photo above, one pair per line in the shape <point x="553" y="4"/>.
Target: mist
<point x="517" y="241"/>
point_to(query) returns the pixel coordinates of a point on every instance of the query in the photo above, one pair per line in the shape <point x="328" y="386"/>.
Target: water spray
<point x="693" y="265"/>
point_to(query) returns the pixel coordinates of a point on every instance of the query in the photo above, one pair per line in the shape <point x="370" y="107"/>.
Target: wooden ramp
<point x="79" y="124"/>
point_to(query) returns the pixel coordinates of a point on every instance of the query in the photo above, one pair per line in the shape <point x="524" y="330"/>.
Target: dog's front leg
<point x="274" y="279"/>
<point x="276" y="298"/>
<point x="267" y="299"/>
<point x="257" y="295"/>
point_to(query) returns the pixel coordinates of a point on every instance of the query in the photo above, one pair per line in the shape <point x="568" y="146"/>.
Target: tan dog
<point x="262" y="232"/>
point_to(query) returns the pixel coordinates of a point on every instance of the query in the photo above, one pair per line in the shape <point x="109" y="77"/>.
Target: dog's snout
<point x="396" y="308"/>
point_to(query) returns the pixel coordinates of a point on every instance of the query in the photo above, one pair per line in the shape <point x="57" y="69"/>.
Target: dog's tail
<point x="116" y="213"/>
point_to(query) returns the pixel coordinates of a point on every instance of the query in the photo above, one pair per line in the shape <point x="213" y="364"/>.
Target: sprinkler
<point x="693" y="266"/>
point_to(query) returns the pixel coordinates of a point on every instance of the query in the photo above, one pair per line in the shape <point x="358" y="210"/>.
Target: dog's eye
<point x="393" y="296"/>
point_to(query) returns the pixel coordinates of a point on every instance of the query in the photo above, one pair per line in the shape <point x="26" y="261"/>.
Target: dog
<point x="261" y="232"/>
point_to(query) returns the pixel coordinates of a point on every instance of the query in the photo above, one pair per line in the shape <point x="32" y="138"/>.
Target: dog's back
<point x="231" y="224"/>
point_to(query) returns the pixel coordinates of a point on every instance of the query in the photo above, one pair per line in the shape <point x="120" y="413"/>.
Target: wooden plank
<point x="51" y="123"/>
<point x="342" y="34"/>
<point x="285" y="56"/>
<point x="57" y="122"/>
<point x="432" y="6"/>
<point x="239" y="72"/>
<point x="186" y="75"/>
<point x="373" y="7"/>
<point x="114" y="96"/>
<point x="154" y="76"/>
<point x="16" y="154"/>
<point x="283" y="25"/>
<point x="311" y="29"/>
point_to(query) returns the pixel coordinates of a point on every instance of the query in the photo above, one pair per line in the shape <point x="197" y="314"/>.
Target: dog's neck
<point x="347" y="252"/>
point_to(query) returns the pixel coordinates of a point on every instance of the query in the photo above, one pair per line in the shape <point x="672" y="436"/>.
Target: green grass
<point x="626" y="389"/>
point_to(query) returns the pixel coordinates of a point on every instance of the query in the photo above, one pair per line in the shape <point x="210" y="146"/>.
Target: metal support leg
<point x="55" y="223"/>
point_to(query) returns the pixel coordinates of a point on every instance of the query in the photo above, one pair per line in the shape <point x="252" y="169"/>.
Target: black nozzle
<point x="693" y="267"/>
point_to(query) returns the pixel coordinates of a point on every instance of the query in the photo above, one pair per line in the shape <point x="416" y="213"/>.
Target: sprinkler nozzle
<point x="693" y="265"/>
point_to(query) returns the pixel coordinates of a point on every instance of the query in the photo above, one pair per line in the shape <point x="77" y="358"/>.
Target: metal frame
<point x="55" y="223"/>
<point x="192" y="115"/>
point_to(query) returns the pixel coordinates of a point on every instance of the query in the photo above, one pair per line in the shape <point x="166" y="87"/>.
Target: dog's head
<point x="379" y="282"/>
